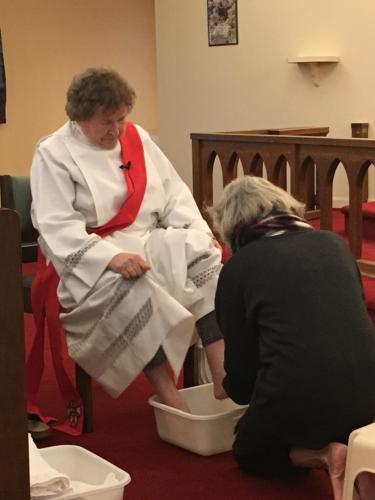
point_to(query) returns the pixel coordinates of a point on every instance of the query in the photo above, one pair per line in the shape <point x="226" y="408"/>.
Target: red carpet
<point x="338" y="220"/>
<point x="368" y="216"/>
<point x="125" y="434"/>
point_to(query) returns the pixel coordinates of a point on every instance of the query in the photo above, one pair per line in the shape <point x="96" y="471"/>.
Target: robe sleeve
<point x="180" y="209"/>
<point x="78" y="257"/>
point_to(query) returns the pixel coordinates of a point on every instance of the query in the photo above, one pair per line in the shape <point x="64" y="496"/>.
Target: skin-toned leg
<point x="332" y="458"/>
<point x="215" y="358"/>
<point x="336" y="467"/>
<point x="165" y="387"/>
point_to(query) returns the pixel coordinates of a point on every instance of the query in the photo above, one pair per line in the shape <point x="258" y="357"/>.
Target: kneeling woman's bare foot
<point x="336" y="467"/>
<point x="332" y="458"/>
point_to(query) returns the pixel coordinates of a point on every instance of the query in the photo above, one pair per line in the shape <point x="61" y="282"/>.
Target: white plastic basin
<point x="207" y="430"/>
<point x="82" y="465"/>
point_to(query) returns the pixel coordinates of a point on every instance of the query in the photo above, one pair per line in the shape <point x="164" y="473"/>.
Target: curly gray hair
<point x="97" y="88"/>
<point x="250" y="199"/>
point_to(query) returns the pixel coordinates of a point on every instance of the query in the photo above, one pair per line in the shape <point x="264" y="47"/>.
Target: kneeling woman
<point x="299" y="344"/>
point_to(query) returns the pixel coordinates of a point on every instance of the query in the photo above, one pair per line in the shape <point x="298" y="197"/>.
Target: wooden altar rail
<point x="315" y="131"/>
<point x="304" y="155"/>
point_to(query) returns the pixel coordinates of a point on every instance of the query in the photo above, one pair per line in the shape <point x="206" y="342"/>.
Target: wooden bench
<point x="14" y="461"/>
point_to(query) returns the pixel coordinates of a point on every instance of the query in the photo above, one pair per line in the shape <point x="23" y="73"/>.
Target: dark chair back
<point x="16" y="194"/>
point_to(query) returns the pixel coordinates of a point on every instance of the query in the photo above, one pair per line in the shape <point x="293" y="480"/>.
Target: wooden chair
<point x="16" y="194"/>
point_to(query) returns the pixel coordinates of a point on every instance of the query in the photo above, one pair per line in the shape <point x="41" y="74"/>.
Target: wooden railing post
<point x="198" y="187"/>
<point x="355" y="216"/>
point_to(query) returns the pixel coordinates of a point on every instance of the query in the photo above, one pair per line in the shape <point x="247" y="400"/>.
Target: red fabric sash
<point x="45" y="304"/>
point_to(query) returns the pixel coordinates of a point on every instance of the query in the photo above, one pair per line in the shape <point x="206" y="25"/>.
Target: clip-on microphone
<point x="126" y="165"/>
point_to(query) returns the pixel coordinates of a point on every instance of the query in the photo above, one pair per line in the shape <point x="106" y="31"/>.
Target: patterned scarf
<point x="273" y="225"/>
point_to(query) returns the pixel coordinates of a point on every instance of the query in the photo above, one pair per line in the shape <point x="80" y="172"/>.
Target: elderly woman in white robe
<point x="130" y="296"/>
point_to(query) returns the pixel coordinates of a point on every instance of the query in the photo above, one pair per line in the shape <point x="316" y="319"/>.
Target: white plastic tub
<point x="82" y="465"/>
<point x="207" y="430"/>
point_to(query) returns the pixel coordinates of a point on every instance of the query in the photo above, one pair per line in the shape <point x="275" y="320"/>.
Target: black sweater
<point x="298" y="337"/>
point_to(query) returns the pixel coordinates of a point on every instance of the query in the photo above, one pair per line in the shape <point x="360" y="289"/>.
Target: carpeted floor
<point x="125" y="434"/>
<point x="338" y="222"/>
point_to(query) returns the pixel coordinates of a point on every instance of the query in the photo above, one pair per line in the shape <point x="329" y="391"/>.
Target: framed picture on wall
<point x="222" y="22"/>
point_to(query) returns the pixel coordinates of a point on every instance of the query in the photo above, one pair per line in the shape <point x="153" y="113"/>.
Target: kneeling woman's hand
<point x="129" y="265"/>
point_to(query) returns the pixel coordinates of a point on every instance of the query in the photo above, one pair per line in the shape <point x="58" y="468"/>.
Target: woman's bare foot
<point x="165" y="387"/>
<point x="332" y="458"/>
<point x="336" y="456"/>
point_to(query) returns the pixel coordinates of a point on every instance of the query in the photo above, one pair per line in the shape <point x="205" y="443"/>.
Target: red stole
<point x="45" y="304"/>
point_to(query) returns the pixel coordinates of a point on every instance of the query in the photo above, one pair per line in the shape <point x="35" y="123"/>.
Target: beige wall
<point x="201" y="88"/>
<point x="46" y="42"/>
<point x="251" y="85"/>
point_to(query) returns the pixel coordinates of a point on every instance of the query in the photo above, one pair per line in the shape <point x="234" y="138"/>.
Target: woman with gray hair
<point x="299" y="344"/>
<point x="130" y="264"/>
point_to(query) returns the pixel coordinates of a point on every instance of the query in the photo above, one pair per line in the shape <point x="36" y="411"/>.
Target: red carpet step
<point x="369" y="289"/>
<point x="368" y="217"/>
<point x="125" y="434"/>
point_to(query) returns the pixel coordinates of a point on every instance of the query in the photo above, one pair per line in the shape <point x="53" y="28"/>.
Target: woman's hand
<point x="129" y="265"/>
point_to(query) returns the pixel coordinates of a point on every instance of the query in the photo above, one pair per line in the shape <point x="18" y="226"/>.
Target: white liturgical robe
<point x="114" y="326"/>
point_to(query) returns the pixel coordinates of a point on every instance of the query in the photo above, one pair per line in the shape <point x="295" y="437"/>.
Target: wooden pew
<point x="14" y="461"/>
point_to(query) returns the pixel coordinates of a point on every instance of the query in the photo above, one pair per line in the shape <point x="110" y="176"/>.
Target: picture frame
<point x="222" y="22"/>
